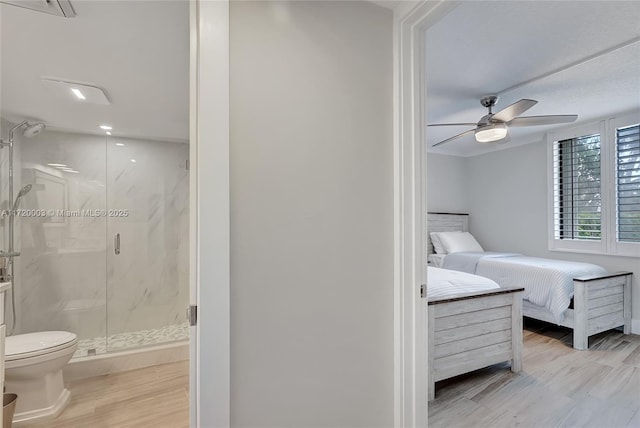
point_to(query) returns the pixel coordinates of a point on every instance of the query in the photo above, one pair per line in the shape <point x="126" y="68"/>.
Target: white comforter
<point x="443" y="282"/>
<point x="546" y="282"/>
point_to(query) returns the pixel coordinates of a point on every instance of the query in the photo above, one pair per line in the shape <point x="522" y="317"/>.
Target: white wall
<point x="508" y="206"/>
<point x="311" y="214"/>
<point x="447" y="184"/>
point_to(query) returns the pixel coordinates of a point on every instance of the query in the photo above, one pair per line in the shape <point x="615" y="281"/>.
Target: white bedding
<point x="547" y="283"/>
<point x="436" y="260"/>
<point x="443" y="282"/>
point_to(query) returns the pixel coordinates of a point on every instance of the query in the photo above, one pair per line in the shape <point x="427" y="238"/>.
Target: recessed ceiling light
<point x="133" y="160"/>
<point x="78" y="94"/>
<point x="108" y="132"/>
<point x="120" y="144"/>
<point x="57" y="164"/>
<point x="106" y="127"/>
<point x="72" y="171"/>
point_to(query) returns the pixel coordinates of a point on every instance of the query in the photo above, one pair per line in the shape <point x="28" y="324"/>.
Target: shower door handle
<point x="116" y="244"/>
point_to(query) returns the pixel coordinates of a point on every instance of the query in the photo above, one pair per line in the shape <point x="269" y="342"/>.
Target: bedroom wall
<point x="311" y="214"/>
<point x="447" y="187"/>
<point x="508" y="207"/>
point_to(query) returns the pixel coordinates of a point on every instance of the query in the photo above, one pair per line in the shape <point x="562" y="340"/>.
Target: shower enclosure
<point x="103" y="236"/>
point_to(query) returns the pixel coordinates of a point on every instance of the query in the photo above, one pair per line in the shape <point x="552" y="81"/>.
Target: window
<point x="595" y="187"/>
<point x="578" y="177"/>
<point x="628" y="183"/>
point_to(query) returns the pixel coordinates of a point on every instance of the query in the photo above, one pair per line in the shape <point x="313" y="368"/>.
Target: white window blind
<point x="577" y="198"/>
<point x="628" y="183"/>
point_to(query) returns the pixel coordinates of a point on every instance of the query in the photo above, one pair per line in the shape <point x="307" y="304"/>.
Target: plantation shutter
<point x="628" y="183"/>
<point x="578" y="203"/>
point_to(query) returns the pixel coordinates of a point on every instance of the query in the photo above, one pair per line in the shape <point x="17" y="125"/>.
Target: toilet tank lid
<point x="32" y="342"/>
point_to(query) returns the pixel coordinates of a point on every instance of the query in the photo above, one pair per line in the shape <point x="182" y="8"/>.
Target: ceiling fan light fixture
<point x="494" y="127"/>
<point x="490" y="133"/>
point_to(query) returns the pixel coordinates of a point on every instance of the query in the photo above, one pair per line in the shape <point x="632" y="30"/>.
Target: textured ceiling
<point x="566" y="47"/>
<point x="137" y="51"/>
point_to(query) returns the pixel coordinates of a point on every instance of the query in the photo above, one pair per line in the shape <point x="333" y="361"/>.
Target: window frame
<point x="615" y="246"/>
<point x="608" y="243"/>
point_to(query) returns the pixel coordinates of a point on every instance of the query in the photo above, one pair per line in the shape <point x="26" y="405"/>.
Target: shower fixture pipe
<point x="11" y="214"/>
<point x="11" y="253"/>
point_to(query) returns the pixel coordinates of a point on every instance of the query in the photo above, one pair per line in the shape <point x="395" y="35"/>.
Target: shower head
<point x="33" y="129"/>
<point x="26" y="189"/>
<point x="30" y="130"/>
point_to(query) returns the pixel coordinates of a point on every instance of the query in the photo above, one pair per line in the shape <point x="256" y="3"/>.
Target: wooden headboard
<point x="445" y="222"/>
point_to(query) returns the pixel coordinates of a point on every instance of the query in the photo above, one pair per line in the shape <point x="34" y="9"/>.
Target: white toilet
<point x="33" y="370"/>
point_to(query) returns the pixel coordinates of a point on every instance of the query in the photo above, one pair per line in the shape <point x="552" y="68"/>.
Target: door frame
<point x="209" y="225"/>
<point x="411" y="20"/>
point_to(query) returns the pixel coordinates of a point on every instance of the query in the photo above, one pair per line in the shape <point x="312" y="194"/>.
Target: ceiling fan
<point x="494" y="127"/>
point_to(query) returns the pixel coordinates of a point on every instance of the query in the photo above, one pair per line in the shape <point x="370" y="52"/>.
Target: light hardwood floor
<point x="558" y="386"/>
<point x="155" y="397"/>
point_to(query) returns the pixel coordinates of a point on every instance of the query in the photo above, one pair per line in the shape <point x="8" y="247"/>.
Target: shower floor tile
<point x="132" y="339"/>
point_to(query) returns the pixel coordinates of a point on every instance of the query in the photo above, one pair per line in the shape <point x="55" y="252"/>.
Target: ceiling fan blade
<point x="543" y="120"/>
<point x="453" y="138"/>
<point x="453" y="124"/>
<point x="514" y="110"/>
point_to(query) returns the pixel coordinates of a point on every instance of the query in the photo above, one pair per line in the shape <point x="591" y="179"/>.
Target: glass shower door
<point x="60" y="274"/>
<point x="147" y="233"/>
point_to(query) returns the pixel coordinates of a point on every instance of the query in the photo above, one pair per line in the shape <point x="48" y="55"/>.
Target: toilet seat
<point x="31" y="345"/>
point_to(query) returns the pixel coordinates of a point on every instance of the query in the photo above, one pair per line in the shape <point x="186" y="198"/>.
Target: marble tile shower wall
<point x="148" y="281"/>
<point x="69" y="277"/>
<point x="62" y="277"/>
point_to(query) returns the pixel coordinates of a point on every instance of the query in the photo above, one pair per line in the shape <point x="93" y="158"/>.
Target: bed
<point x="581" y="296"/>
<point x="473" y="323"/>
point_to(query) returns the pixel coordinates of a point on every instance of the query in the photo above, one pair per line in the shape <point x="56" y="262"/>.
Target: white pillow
<point x="456" y="242"/>
<point x="437" y="244"/>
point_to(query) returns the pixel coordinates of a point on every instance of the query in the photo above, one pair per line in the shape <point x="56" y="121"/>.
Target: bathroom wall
<point x="70" y="277"/>
<point x="62" y="276"/>
<point x="148" y="280"/>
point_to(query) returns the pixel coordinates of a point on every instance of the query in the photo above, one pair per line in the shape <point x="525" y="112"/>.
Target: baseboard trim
<point x="40" y="415"/>
<point x="81" y="368"/>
